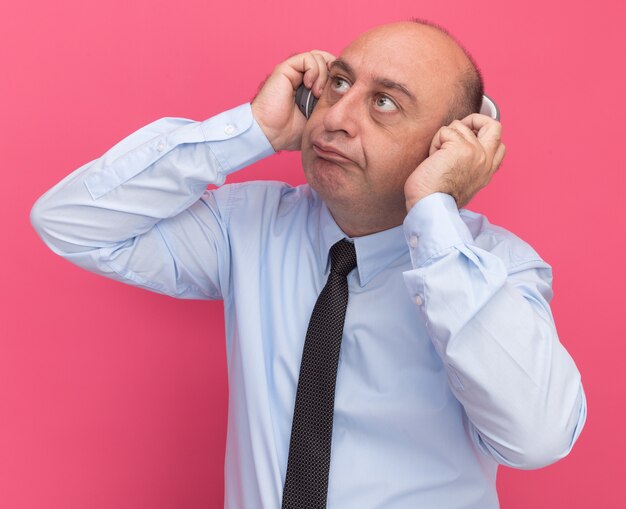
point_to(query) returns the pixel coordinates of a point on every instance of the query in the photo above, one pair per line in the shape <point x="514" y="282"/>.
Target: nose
<point x="343" y="114"/>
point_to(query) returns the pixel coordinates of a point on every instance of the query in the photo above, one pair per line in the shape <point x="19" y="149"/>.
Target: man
<point x="449" y="362"/>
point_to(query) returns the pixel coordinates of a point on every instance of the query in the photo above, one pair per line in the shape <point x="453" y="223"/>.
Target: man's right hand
<point x="274" y="107"/>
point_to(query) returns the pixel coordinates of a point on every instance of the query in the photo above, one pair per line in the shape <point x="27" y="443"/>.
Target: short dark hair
<point x="470" y="89"/>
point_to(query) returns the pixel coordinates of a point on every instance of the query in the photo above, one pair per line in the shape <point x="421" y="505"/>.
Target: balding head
<point x="469" y="96"/>
<point x="465" y="96"/>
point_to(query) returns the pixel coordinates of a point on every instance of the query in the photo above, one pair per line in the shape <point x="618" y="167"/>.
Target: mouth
<point x="330" y="153"/>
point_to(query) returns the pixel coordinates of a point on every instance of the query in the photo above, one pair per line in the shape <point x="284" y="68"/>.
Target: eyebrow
<point x="384" y="82"/>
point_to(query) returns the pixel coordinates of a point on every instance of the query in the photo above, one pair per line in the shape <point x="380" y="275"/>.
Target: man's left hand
<point x="463" y="157"/>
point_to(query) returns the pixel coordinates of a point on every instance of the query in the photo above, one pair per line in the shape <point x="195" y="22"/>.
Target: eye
<point x="384" y="103"/>
<point x="339" y="85"/>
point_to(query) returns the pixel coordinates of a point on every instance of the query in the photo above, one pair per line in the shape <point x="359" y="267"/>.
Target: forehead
<point x="426" y="61"/>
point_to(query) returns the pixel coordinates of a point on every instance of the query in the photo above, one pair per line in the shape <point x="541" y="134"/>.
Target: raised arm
<point x="141" y="214"/>
<point x="485" y="295"/>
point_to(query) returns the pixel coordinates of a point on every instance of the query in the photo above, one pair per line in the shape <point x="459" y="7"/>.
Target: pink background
<point x="115" y="397"/>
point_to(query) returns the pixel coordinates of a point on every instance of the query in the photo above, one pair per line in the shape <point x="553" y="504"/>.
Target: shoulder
<point x="515" y="252"/>
<point x="272" y="193"/>
<point x="256" y="201"/>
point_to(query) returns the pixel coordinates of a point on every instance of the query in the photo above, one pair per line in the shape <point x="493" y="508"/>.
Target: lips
<point x="330" y="153"/>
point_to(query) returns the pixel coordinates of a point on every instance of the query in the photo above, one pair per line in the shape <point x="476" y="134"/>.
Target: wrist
<point x="258" y="114"/>
<point x="410" y="199"/>
<point x="418" y="187"/>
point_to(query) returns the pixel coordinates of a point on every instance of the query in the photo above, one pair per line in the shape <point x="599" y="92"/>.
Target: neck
<point x="366" y="222"/>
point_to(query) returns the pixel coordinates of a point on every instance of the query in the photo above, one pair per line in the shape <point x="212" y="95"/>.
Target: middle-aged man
<point x="445" y="362"/>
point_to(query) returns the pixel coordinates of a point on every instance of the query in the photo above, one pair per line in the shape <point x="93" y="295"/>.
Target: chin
<point x="328" y="179"/>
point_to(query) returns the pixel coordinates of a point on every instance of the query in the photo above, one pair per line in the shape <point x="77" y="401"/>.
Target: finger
<point x="315" y="66"/>
<point x="328" y="57"/>
<point x="444" y="135"/>
<point x="322" y="77"/>
<point x="497" y="159"/>
<point x="477" y="121"/>
<point x="465" y="131"/>
<point x="311" y="69"/>
<point x="300" y="69"/>
<point x="488" y="131"/>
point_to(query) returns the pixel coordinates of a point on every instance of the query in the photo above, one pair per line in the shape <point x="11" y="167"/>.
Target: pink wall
<point x="114" y="397"/>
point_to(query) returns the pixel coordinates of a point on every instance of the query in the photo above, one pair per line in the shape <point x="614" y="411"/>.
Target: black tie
<point x="306" y="483"/>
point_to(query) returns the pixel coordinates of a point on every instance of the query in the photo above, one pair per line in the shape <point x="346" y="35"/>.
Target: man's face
<point x="385" y="99"/>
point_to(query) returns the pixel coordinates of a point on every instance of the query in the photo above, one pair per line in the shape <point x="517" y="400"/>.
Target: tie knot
<point x="342" y="257"/>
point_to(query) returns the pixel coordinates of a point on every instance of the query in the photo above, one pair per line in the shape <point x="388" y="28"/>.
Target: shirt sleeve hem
<point x="432" y="226"/>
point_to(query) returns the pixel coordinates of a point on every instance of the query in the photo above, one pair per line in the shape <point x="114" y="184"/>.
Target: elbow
<point x="38" y="218"/>
<point x="541" y="451"/>
<point x="42" y="221"/>
<point x="546" y="442"/>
